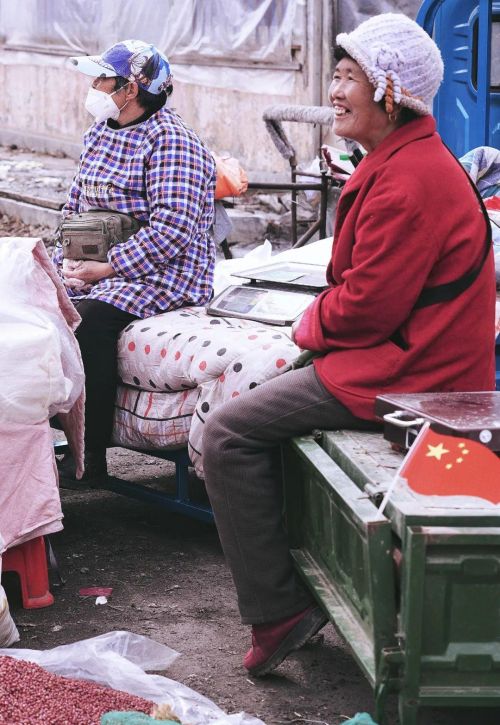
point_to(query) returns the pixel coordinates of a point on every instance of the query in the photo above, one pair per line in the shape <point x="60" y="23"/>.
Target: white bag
<point x="225" y="268"/>
<point x="8" y="630"/>
<point x="32" y="340"/>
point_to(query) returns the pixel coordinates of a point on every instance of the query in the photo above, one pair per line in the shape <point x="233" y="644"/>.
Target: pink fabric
<point x="29" y="494"/>
<point x="67" y="308"/>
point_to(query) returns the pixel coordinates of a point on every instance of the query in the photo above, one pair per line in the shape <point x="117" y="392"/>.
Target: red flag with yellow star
<point x="442" y="465"/>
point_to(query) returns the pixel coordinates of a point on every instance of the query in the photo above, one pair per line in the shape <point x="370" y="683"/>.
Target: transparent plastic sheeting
<point x="188" y="31"/>
<point x="120" y="660"/>
<point x="352" y="12"/>
<point x="246" y="80"/>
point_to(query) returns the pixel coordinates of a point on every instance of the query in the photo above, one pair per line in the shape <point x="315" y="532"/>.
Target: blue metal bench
<point x="178" y="502"/>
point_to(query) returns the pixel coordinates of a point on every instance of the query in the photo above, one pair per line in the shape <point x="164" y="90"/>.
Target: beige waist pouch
<point x="90" y="234"/>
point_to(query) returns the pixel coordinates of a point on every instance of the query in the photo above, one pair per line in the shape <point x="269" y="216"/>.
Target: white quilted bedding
<point x="177" y="367"/>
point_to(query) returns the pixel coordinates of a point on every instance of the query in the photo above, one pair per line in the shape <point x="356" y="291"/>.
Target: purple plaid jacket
<point x="159" y="172"/>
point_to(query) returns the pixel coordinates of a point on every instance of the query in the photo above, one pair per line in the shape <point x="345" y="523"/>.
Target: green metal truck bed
<point x="414" y="592"/>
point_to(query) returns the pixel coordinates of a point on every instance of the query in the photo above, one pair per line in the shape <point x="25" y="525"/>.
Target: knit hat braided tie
<point x="387" y="63"/>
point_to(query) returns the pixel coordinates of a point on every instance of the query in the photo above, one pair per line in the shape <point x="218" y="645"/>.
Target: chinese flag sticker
<point x="442" y="465"/>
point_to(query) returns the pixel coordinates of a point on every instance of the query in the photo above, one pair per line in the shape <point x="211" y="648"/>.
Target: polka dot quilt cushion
<point x="183" y="349"/>
<point x="147" y="420"/>
<point x="247" y="370"/>
<point x="176" y="368"/>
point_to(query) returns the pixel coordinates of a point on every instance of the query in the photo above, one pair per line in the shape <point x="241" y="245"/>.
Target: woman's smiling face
<point x="357" y="116"/>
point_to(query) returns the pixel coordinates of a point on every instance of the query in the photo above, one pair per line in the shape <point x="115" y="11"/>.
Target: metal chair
<point x="273" y="117"/>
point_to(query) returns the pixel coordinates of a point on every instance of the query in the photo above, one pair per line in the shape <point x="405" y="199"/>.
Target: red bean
<point x="31" y="696"/>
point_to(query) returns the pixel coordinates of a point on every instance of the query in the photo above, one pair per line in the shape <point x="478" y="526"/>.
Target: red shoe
<point x="271" y="643"/>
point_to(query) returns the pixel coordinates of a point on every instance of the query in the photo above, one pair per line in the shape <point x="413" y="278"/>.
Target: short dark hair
<point x="339" y="52"/>
<point x="405" y="114"/>
<point x="151" y="102"/>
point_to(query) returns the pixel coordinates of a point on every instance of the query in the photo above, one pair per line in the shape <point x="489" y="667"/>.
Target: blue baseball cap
<point x="132" y="59"/>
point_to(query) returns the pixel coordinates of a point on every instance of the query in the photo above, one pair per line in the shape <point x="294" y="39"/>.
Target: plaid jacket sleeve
<point x="177" y="180"/>
<point x="71" y="203"/>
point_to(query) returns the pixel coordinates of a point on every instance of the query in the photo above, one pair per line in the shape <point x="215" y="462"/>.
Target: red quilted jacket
<point x="407" y="219"/>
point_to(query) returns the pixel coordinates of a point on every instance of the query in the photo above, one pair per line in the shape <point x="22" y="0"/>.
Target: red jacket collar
<point x="421" y="127"/>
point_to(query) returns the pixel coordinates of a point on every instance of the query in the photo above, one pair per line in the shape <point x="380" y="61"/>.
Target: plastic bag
<point x="8" y="630"/>
<point x="313" y="167"/>
<point x="231" y="178"/>
<point x="119" y="660"/>
<point x="31" y="378"/>
<point x="40" y="372"/>
<point x="361" y="718"/>
<point x="224" y="269"/>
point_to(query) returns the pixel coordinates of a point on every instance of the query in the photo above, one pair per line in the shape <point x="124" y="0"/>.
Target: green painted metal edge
<point x="459" y="535"/>
<point x="338" y="481"/>
<point x="411" y="610"/>
<point x="460" y="696"/>
<point x="338" y="611"/>
<point x="366" y="641"/>
<point x="353" y="452"/>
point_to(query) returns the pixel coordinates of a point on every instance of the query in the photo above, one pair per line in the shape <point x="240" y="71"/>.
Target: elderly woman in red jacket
<point x="409" y="308"/>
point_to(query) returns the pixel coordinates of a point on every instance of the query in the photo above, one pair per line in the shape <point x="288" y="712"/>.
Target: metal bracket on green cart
<point x="388" y="680"/>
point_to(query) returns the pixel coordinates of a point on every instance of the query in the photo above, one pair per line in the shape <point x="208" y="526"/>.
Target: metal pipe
<point x="285" y="186"/>
<point x="323" y="206"/>
<point x="293" y="208"/>
<point x="307" y="235"/>
<point x="309" y="175"/>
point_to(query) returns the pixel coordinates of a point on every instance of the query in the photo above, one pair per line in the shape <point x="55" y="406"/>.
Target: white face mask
<point x="101" y="105"/>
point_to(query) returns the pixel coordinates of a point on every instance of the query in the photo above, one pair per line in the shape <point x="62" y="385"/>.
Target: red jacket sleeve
<point x="392" y="257"/>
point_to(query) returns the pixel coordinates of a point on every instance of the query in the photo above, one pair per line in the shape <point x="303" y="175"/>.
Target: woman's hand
<point x="89" y="271"/>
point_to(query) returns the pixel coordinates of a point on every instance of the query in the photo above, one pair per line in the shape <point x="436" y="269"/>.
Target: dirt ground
<point x="10" y="227"/>
<point x="170" y="583"/>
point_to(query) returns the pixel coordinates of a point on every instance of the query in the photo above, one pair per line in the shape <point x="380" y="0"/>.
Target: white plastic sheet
<point x="352" y="12"/>
<point x="205" y="41"/>
<point x="40" y="368"/>
<point x="245" y="30"/>
<point x="245" y="80"/>
<point x="226" y="267"/>
<point x="120" y="660"/>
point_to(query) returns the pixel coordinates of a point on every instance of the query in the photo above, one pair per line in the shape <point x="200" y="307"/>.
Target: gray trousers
<point x="241" y="461"/>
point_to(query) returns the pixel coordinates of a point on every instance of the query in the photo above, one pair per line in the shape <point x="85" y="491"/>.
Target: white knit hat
<point x="396" y="53"/>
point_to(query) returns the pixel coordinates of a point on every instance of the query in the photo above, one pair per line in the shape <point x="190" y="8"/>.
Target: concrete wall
<point x="43" y="100"/>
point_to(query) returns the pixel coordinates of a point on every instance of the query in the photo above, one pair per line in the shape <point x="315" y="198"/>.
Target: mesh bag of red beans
<point x="29" y="695"/>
